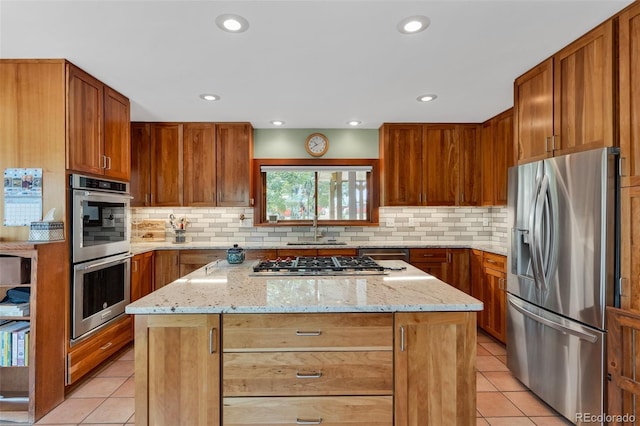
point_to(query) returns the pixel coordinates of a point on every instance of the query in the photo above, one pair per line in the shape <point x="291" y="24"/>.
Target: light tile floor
<point x="107" y="398"/>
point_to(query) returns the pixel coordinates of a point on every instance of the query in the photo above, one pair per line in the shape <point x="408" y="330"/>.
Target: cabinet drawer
<point x="307" y="373"/>
<point x="494" y="261"/>
<point x="201" y="257"/>
<point x="307" y="332"/>
<point x="90" y="353"/>
<point x="327" y="411"/>
<point x="435" y="255"/>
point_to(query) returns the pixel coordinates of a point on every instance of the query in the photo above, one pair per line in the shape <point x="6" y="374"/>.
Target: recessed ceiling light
<point x="210" y="97"/>
<point x="277" y="122"/>
<point x="426" y="98"/>
<point x="232" y="23"/>
<point x="354" y="123"/>
<point x="413" y="24"/>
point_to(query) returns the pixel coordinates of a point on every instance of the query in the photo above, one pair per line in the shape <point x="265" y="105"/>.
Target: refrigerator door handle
<point x="537" y="247"/>
<point x="533" y="236"/>
<point x="550" y="242"/>
<point x="591" y="338"/>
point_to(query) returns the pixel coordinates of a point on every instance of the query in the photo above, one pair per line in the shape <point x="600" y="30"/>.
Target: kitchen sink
<point x="316" y="243"/>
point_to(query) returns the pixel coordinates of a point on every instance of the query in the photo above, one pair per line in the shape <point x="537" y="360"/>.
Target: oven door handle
<point x="107" y="194"/>
<point x="106" y="262"/>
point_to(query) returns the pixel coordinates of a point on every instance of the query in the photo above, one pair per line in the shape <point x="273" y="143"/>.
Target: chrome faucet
<point x="316" y="235"/>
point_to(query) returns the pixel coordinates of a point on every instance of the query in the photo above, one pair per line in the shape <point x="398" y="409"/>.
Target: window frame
<point x="260" y="185"/>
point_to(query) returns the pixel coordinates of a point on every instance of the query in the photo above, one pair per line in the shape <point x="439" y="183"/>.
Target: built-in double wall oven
<point x="100" y="252"/>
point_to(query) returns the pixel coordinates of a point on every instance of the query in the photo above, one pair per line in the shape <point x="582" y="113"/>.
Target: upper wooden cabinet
<point x="192" y="164"/>
<point x="140" y="184"/>
<point x="401" y="164"/>
<point x="533" y="113"/>
<point x="234" y="151"/>
<point x="166" y="164"/>
<point x="98" y="127"/>
<point x="496" y="146"/>
<point x="429" y="164"/>
<point x="566" y="104"/>
<point x="629" y="94"/>
<point x="199" y="155"/>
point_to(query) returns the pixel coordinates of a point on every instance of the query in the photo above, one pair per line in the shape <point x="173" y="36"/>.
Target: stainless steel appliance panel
<point x="561" y="251"/>
<point x="560" y="360"/>
<point x="100" y="292"/>
<point x="100" y="218"/>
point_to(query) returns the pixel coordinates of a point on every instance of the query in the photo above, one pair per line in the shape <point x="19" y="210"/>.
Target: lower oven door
<point x="100" y="292"/>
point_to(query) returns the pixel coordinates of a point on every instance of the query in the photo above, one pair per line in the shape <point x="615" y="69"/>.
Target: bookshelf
<point x="30" y="391"/>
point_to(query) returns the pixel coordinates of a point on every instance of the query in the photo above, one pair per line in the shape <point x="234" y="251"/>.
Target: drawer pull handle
<point x="313" y="375"/>
<point x="107" y="346"/>
<point x="491" y="261"/>
<point x="428" y="255"/>
<point x="308" y="333"/>
<point x="308" y="422"/>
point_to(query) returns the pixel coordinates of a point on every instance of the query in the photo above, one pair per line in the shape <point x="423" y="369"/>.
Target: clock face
<point x="317" y="144"/>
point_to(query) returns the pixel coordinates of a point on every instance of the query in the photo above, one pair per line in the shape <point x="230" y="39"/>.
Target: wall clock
<point x="317" y="144"/>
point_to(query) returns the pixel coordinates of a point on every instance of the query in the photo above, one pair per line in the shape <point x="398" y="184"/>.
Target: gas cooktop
<point x="334" y="265"/>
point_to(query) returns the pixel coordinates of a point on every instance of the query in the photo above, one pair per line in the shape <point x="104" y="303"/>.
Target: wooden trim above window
<point x="259" y="216"/>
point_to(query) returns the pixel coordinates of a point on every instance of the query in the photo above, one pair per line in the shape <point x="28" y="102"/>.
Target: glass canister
<point x="235" y="254"/>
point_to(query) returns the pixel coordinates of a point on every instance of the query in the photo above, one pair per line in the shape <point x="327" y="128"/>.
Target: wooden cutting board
<point x="149" y="230"/>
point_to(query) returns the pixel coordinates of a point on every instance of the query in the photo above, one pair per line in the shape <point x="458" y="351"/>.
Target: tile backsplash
<point x="223" y="225"/>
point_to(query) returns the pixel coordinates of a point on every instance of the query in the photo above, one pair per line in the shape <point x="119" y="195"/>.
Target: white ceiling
<point x="313" y="64"/>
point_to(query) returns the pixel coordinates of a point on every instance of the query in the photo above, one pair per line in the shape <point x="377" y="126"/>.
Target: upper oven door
<point x="100" y="224"/>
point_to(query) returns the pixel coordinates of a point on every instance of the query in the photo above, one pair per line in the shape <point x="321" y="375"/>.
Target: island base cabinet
<point x="177" y="362"/>
<point x="325" y="411"/>
<point x="435" y="361"/>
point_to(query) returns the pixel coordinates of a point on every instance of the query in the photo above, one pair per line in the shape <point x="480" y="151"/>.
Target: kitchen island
<point x="220" y="346"/>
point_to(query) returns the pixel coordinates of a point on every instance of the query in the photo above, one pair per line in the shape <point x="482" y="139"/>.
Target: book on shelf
<point x="17" y="346"/>
<point x="6" y="341"/>
<point x="27" y="337"/>
<point x="14" y="309"/>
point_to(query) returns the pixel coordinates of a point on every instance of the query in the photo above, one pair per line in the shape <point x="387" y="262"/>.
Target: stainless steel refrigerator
<point x="562" y="268"/>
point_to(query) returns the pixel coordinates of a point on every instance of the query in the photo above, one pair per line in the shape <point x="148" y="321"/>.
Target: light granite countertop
<point x="223" y="288"/>
<point x="489" y="246"/>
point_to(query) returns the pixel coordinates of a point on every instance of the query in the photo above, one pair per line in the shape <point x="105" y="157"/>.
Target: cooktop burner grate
<point x="321" y="265"/>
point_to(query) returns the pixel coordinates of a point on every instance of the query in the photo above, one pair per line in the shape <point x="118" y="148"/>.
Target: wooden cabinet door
<point x="442" y="165"/>
<point x="503" y="155"/>
<point x="487" y="148"/>
<point x="456" y="271"/>
<point x="117" y="140"/>
<point x="85" y="149"/>
<point x="141" y="275"/>
<point x="166" y="164"/>
<point x="477" y="283"/>
<point x="470" y="177"/>
<point x="140" y="184"/>
<point x="623" y="359"/>
<point x="433" y="261"/>
<point x="182" y="381"/>
<point x="234" y="151"/>
<point x="435" y="360"/>
<point x="496" y="303"/>
<point x="401" y="164"/>
<point x="167" y="267"/>
<point x="630" y="248"/>
<point x="199" y="165"/>
<point x="533" y="113"/>
<point x="583" y="92"/>
<point x="629" y="94"/>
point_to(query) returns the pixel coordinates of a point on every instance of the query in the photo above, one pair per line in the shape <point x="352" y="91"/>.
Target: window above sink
<point x="334" y="192"/>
